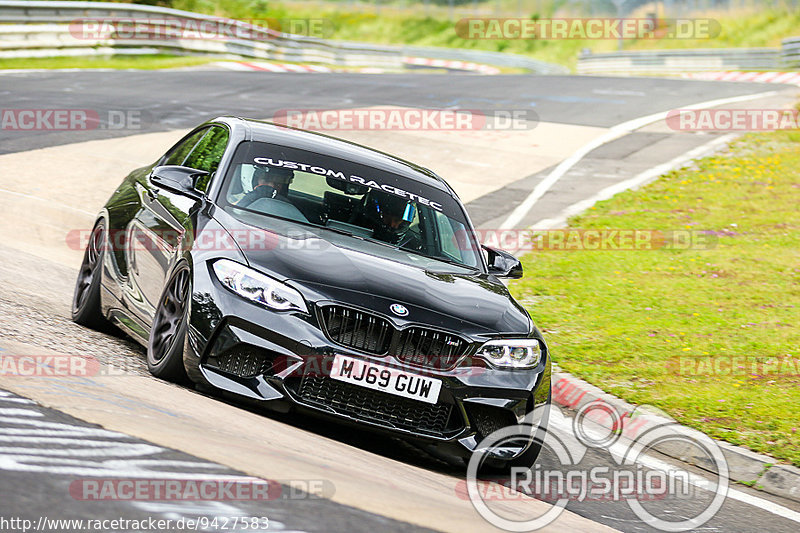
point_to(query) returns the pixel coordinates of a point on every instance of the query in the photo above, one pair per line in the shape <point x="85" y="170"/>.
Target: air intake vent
<point x="487" y="419"/>
<point x="243" y="361"/>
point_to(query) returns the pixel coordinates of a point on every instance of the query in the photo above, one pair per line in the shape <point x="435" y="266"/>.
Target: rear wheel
<point x="86" y="308"/>
<point x="168" y="333"/>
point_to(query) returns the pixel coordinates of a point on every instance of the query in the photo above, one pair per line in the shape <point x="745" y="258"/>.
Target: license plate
<point x="385" y="379"/>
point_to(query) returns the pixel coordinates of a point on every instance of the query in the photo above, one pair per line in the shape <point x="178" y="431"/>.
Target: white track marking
<point x="89" y="451"/>
<point x="18" y="412"/>
<point x="613" y="133"/>
<point x="16" y="400"/>
<point x="80" y="448"/>
<point x="636" y="181"/>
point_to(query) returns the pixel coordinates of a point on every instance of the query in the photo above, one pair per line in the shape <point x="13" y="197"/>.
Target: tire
<point x="86" y="307"/>
<point x="168" y="332"/>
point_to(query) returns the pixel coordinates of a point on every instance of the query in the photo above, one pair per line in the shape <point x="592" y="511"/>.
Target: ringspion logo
<point x="624" y="479"/>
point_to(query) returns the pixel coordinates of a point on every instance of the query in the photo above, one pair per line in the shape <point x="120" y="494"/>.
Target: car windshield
<point x="345" y="197"/>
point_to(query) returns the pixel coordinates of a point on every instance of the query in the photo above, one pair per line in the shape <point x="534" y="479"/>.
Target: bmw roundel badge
<point x="398" y="309"/>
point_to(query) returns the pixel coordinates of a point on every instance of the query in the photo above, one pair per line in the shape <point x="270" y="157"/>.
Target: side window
<point x="452" y="235"/>
<point x="178" y="154"/>
<point x="207" y="154"/>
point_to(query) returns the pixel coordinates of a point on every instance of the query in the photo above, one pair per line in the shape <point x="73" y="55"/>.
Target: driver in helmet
<point x="390" y="216"/>
<point x="268" y="182"/>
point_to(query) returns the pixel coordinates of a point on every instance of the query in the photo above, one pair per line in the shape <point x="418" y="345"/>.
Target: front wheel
<point x="168" y="333"/>
<point x="86" y="308"/>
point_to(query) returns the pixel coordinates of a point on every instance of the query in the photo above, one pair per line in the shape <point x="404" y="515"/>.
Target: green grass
<point x="621" y="319"/>
<point x="113" y="62"/>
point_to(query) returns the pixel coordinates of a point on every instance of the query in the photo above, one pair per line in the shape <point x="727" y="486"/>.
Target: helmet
<point x="391" y="215"/>
<point x="275" y="179"/>
<point x="278" y="178"/>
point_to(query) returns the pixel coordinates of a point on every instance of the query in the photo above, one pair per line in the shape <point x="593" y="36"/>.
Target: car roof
<point x="269" y="132"/>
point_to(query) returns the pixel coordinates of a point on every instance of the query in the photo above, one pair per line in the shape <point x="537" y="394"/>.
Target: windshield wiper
<point x="339" y="231"/>
<point x="361" y="237"/>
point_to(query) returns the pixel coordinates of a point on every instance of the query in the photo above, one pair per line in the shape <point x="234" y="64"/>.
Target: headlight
<point x="512" y="353"/>
<point x="258" y="287"/>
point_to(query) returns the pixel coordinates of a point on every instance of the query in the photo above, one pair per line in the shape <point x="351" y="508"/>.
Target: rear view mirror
<point x="502" y="264"/>
<point x="346" y="187"/>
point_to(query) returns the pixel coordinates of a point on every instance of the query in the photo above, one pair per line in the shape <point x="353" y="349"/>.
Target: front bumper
<point x="275" y="357"/>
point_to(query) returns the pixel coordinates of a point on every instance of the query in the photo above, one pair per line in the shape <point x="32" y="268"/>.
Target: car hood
<point x="344" y="269"/>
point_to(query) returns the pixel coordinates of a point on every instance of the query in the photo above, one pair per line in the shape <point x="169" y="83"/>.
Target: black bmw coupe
<point x="314" y="274"/>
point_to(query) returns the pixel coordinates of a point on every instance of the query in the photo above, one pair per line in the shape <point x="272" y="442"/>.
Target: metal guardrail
<point x="790" y="52"/>
<point x="679" y="61"/>
<point x="499" y="59"/>
<point x="43" y="29"/>
<point x="46" y="40"/>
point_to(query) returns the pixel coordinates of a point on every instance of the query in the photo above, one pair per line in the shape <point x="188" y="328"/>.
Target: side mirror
<point x="181" y="180"/>
<point x="502" y="264"/>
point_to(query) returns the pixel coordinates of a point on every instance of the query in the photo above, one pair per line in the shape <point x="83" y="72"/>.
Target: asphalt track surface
<point x="171" y="100"/>
<point x="40" y="431"/>
<point x="34" y="293"/>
